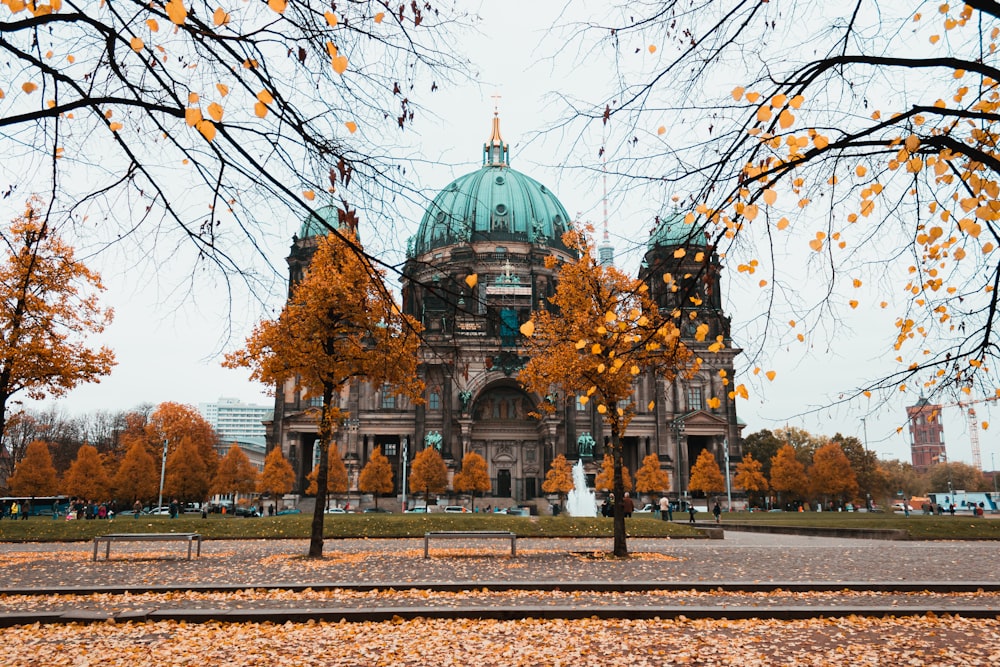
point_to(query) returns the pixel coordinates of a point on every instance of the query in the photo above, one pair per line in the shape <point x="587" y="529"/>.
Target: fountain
<point x="581" y="500"/>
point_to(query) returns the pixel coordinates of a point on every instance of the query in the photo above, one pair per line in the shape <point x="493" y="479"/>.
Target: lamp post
<point x="864" y="441"/>
<point x="677" y="426"/>
<point x="729" y="490"/>
<point x="163" y="473"/>
<point x="403" y="458"/>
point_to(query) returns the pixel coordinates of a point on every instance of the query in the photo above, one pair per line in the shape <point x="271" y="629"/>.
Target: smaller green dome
<point x="320" y="222"/>
<point x="671" y="231"/>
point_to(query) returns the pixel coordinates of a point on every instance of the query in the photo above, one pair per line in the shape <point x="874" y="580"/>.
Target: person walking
<point x="628" y="505"/>
<point x="717" y="511"/>
<point x="690" y="513"/>
<point x="665" y="508"/>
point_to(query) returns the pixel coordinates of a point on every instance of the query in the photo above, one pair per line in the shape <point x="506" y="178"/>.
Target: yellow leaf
<point x="661" y="130"/>
<point x="763" y="114"/>
<point x="378" y="17"/>
<point x="609" y="317"/>
<point x="857" y="283"/>
<point x="584" y="400"/>
<point x="29" y="87"/>
<point x="471" y="280"/>
<point x="351" y="126"/>
<point x="680" y="252"/>
<point x="770" y="196"/>
<point x="737" y="92"/>
<point x="265" y="97"/>
<point x="220" y="17"/>
<point x="714" y="403"/>
<point x="652" y="48"/>
<point x="596" y="348"/>
<point x="153" y="25"/>
<point x="114" y="127"/>
<point x="861" y="170"/>
<point x="192" y="98"/>
<point x="222" y="88"/>
<point x="770" y="375"/>
<point x="634" y="370"/>
<point x="820" y="141"/>
<point x="192" y="115"/>
<point x="260" y="110"/>
<point x="580" y="344"/>
<point x="176" y="11"/>
<point x="912" y="143"/>
<point x="782" y="224"/>
<point x="136" y="44"/>
<point x="853" y="303"/>
<point x="331" y="19"/>
<point x="785" y="119"/>
<point x="935" y="39"/>
<point x="816" y="244"/>
<point x="602" y="408"/>
<point x="215" y="111"/>
<point x="207" y="129"/>
<point x="278" y="5"/>
<point x="701" y="332"/>
<point x="339" y="64"/>
<point x="652" y="404"/>
<point x="528" y="328"/>
<point x="750" y="211"/>
<point x="309" y="194"/>
<point x="796" y="101"/>
<point x="753" y="97"/>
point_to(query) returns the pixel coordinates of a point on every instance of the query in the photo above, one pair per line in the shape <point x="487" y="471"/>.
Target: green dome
<point x="495" y="203"/>
<point x="671" y="231"/>
<point x="319" y="223"/>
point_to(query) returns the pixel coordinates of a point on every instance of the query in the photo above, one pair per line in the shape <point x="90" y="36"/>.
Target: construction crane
<point x="966" y="406"/>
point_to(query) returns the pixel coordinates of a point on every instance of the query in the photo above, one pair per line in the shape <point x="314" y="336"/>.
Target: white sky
<point x="168" y="347"/>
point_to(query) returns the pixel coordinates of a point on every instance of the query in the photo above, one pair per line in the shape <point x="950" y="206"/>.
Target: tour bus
<point x="37" y="506"/>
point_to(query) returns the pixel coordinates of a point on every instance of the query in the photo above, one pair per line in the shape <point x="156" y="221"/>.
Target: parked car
<point x="335" y="510"/>
<point x="161" y="511"/>
<point x="898" y="507"/>
<point x="417" y="510"/>
<point x="250" y="511"/>
<point x="646" y="509"/>
<point x="455" y="509"/>
<point x="288" y="510"/>
<point x="377" y="510"/>
<point x="514" y="511"/>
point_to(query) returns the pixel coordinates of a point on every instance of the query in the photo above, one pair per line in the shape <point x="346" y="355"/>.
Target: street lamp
<point x="403" y="476"/>
<point x="163" y="472"/>
<point x="729" y="491"/>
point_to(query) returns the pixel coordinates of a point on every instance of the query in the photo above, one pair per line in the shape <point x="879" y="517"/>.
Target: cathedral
<point x="499" y="224"/>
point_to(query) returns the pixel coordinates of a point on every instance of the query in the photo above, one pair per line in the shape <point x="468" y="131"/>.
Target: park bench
<point x="470" y="535"/>
<point x="190" y="538"/>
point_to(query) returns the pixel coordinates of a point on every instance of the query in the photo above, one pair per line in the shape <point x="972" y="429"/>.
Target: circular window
<point x="501" y="209"/>
<point x="500" y="180"/>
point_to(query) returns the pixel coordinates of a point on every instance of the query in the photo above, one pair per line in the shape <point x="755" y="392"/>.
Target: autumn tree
<point x="750" y="477"/>
<point x="376" y="477"/>
<point x="762" y="445"/>
<point x="871" y="477"/>
<point x="336" y="477"/>
<point x="474" y="477"/>
<point x="605" y="478"/>
<point x="950" y="476"/>
<point x="788" y="475"/>
<point x="187" y="477"/>
<point x="137" y="477"/>
<point x="857" y="147"/>
<point x="197" y="114"/>
<point x="34" y="474"/>
<point x="650" y="477"/>
<point x="706" y="475"/>
<point x="86" y="477"/>
<point x="831" y="475"/>
<point x="598" y="333"/>
<point x="172" y="423"/>
<point x="339" y="325"/>
<point x="559" y="478"/>
<point x="235" y="474"/>
<point x="428" y="473"/>
<point x="278" y="477"/>
<point x="48" y="307"/>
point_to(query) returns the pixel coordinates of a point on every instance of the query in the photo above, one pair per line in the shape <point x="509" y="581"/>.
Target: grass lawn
<point x="336" y="525"/>
<point x="216" y="526"/>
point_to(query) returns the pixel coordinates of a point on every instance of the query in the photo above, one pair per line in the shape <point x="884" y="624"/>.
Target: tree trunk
<point x="620" y="547"/>
<point x="322" y="474"/>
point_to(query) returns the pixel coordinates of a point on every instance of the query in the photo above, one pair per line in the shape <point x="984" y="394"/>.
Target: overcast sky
<point x="168" y="344"/>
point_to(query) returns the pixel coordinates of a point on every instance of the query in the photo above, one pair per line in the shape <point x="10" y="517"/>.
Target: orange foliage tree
<point x="340" y="324"/>
<point x="474" y="476"/>
<point x="788" y="475"/>
<point x="235" y="474"/>
<point x="35" y="475"/>
<point x="86" y="477"/>
<point x="48" y="305"/>
<point x="336" y="477"/>
<point x="650" y="478"/>
<point x="605" y="479"/>
<point x="171" y="423"/>
<point x="559" y="478"/>
<point x="428" y="473"/>
<point x="601" y="332"/>
<point x="278" y="477"/>
<point x="706" y="475"/>
<point x="137" y="477"/>
<point x="188" y="478"/>
<point x="376" y="477"/>
<point x="831" y="475"/>
<point x="750" y="477"/>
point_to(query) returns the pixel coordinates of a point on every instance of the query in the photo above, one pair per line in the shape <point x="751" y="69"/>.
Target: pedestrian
<point x="628" y="505"/>
<point x="174" y="509"/>
<point x="717" y="511"/>
<point x="665" y="508"/>
<point x="137" y="508"/>
<point x="690" y="513"/>
<point x="605" y="508"/>
<point x="25" y="509"/>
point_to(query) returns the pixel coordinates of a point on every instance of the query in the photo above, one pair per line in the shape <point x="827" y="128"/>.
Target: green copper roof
<point x="494" y="203"/>
<point x="319" y="223"/>
<point x="673" y="231"/>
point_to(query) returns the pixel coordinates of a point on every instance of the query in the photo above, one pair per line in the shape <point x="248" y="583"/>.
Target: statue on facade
<point x="465" y="396"/>
<point x="585" y="445"/>
<point x="433" y="439"/>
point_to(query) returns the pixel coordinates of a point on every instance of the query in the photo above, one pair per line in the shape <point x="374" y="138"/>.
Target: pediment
<point x="701" y="422"/>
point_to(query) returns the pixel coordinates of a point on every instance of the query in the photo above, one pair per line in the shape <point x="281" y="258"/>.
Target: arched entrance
<point x="508" y="439"/>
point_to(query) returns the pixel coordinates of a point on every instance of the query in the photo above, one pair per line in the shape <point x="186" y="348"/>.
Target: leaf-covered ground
<point x="923" y="641"/>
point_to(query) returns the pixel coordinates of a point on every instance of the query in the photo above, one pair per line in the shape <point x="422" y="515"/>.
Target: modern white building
<point x="235" y="420"/>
